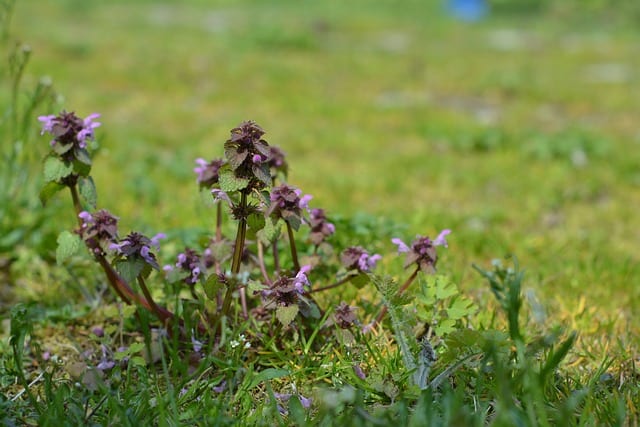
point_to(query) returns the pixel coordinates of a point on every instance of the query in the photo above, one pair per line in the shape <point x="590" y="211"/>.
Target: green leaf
<point x="460" y="307"/>
<point x="87" y="189"/>
<point x="270" y="231"/>
<point x="266" y="375"/>
<point x="56" y="169"/>
<point x="82" y="155"/>
<point x="255" y="286"/>
<point x="130" y="268"/>
<point x="360" y="280"/>
<point x="445" y="327"/>
<point x="81" y="169"/>
<point x="229" y="182"/>
<point x="263" y="173"/>
<point x="212" y="286"/>
<point x="68" y="245"/>
<point x="256" y="221"/>
<point x="286" y="314"/>
<point x="296" y="411"/>
<point x="294" y="220"/>
<point x="48" y="191"/>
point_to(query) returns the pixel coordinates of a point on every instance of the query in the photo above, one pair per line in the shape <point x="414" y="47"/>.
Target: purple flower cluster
<point x="69" y="130"/>
<point x="208" y="171"/>
<point x="422" y="251"/>
<point x="138" y="245"/>
<point x="98" y="227"/>
<point x="357" y="258"/>
<point x="285" y="290"/>
<point x="288" y="203"/>
<point x="248" y="154"/>
<point x="321" y="229"/>
<point x="344" y="316"/>
<point x="190" y="262"/>
<point x="276" y="161"/>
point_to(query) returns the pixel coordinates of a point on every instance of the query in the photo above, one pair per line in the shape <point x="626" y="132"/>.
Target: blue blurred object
<point x="468" y="10"/>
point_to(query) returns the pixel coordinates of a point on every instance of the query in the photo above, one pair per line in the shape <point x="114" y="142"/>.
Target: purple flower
<point x="358" y="371"/>
<point x="98" y="228"/>
<point x="287" y="204"/>
<point x="136" y="245"/>
<point x="190" y="262"/>
<point x="69" y="131"/>
<point x="422" y="251"/>
<point x="220" y="387"/>
<point x="320" y="227"/>
<point x="197" y="345"/>
<point x="47" y="123"/>
<point x="402" y="246"/>
<point x="284" y="397"/>
<point x="219" y="195"/>
<point x="300" y="281"/>
<point x="276" y="161"/>
<point x="257" y="158"/>
<point x="208" y="171"/>
<point x="440" y="240"/>
<point x="357" y="258"/>
<point x="88" y="125"/>
<point x="344" y="316"/>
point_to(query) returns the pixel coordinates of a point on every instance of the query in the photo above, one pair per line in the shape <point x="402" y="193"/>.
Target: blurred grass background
<point x="518" y="132"/>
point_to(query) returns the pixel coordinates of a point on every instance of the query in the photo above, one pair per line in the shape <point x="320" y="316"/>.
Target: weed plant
<point x="247" y="329"/>
<point x="275" y="316"/>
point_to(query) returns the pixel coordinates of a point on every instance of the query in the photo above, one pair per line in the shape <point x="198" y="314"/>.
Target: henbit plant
<point x="230" y="280"/>
<point x="433" y="355"/>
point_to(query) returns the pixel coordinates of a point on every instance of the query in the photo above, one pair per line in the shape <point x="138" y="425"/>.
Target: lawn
<point x="519" y="133"/>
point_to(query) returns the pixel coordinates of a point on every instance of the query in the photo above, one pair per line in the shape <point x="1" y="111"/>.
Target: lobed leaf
<point x="68" y="246"/>
<point x="87" y="189"/>
<point x="48" y="191"/>
<point x="55" y="169"/>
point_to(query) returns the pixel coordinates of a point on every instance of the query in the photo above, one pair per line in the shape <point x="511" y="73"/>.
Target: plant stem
<point x="237" y="253"/>
<point x="219" y="222"/>
<point x="403" y="288"/>
<point x="155" y="309"/>
<point x="276" y="257"/>
<point x="335" y="285"/>
<point x="292" y="245"/>
<point x="76" y="202"/>
<point x="263" y="269"/>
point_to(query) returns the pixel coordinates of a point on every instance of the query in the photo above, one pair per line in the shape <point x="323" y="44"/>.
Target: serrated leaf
<point x="255" y="286"/>
<point x="444" y="288"/>
<point x="256" y="221"/>
<point x="360" y="280"/>
<point x="266" y="375"/>
<point x="48" y="191"/>
<point x="460" y="308"/>
<point x="286" y="314"/>
<point x="229" y="182"/>
<point x="445" y="327"/>
<point x="82" y="155"/>
<point x="270" y="231"/>
<point x="293" y="220"/>
<point x="81" y="169"/>
<point x="263" y="173"/>
<point x="56" y="169"/>
<point x="87" y="189"/>
<point x="212" y="286"/>
<point x="130" y="268"/>
<point x="68" y="246"/>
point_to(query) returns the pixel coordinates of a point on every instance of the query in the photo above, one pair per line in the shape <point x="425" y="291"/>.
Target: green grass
<point x="519" y="133"/>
